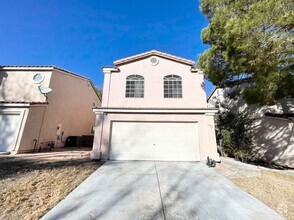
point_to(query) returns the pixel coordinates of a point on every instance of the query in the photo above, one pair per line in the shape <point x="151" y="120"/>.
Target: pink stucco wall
<point x="194" y="95"/>
<point x="207" y="144"/>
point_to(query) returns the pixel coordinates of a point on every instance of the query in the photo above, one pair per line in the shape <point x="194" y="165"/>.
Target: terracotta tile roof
<point x="23" y="102"/>
<point x="154" y="53"/>
<point x="40" y="67"/>
<point x="289" y="116"/>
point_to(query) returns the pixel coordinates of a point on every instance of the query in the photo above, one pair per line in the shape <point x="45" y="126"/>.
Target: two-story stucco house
<point x="41" y="105"/>
<point x="154" y="108"/>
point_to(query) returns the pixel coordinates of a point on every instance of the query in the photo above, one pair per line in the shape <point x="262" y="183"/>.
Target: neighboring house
<point x="32" y="116"/>
<point x="273" y="129"/>
<point x="154" y="108"/>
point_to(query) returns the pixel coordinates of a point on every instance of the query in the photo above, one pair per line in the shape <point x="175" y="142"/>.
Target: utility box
<point x="87" y="140"/>
<point x="73" y="141"/>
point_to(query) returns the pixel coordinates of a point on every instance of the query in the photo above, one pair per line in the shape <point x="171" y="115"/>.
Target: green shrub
<point x="234" y="134"/>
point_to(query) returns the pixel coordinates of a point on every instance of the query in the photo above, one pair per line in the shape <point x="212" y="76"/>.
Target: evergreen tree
<point x="250" y="38"/>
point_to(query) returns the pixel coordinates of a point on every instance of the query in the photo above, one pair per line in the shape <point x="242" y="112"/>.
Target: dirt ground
<point x="273" y="187"/>
<point x="32" y="184"/>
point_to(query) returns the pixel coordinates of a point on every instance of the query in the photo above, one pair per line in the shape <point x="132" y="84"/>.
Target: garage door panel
<point x="9" y="127"/>
<point x="154" y="141"/>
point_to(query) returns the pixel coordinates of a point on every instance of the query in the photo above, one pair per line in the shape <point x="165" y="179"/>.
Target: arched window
<point x="135" y="86"/>
<point x="172" y="85"/>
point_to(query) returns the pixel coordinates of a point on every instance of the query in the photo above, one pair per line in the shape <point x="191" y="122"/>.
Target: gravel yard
<point x="32" y="184"/>
<point x="273" y="187"/>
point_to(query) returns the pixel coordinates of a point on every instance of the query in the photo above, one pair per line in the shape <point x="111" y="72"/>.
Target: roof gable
<point x="48" y="68"/>
<point x="39" y="68"/>
<point x="153" y="53"/>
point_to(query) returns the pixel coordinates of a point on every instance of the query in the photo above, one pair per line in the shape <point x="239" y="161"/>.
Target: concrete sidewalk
<point x="159" y="190"/>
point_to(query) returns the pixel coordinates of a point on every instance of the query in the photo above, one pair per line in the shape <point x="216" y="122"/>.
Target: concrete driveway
<point x="159" y="190"/>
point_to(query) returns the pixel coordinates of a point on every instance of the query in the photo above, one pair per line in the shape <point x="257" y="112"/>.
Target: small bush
<point x="234" y="133"/>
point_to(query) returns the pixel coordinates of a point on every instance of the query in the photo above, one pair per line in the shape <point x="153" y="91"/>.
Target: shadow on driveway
<point x="159" y="190"/>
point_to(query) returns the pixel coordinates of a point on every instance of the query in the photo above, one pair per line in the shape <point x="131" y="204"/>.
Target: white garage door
<point x="154" y="141"/>
<point x="9" y="128"/>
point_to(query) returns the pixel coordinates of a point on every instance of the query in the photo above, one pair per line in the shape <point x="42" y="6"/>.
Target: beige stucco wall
<point x="194" y="95"/>
<point x="207" y="144"/>
<point x="70" y="104"/>
<point x="19" y="86"/>
<point x="274" y="141"/>
<point x="32" y="128"/>
<point x="273" y="137"/>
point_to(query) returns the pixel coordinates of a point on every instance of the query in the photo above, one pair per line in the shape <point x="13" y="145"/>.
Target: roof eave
<point x="40" y="68"/>
<point x="212" y="92"/>
<point x="153" y="53"/>
<point x="157" y="111"/>
<point x="21" y="104"/>
<point x="34" y="68"/>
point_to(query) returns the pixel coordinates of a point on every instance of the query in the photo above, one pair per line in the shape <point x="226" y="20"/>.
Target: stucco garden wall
<point x="273" y="138"/>
<point x="274" y="141"/>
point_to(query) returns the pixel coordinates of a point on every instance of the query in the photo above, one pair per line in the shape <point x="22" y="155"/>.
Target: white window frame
<point x="172" y="86"/>
<point x="134" y="86"/>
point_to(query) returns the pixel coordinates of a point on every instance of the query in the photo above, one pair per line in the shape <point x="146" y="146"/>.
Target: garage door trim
<point x="21" y="114"/>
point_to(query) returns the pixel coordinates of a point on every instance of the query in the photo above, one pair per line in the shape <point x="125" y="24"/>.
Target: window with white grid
<point x="172" y="86"/>
<point x="135" y="86"/>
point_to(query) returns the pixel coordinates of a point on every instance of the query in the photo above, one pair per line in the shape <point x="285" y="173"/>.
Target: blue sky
<point x="83" y="36"/>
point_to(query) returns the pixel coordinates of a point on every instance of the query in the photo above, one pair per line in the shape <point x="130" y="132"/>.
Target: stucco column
<point x="211" y="137"/>
<point x="95" y="153"/>
<point x="106" y="85"/>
